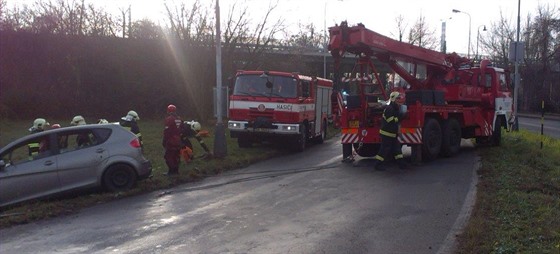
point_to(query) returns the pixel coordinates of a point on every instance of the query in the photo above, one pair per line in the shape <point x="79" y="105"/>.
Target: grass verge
<point x="518" y="198"/>
<point x="152" y="131"/>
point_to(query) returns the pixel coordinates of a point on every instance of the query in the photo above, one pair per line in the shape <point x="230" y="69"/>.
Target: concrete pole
<point x="325" y="42"/>
<point x="220" y="145"/>
<point x="516" y="75"/>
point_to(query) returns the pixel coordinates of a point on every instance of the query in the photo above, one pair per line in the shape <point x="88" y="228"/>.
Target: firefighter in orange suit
<point x="389" y="131"/>
<point x="172" y="140"/>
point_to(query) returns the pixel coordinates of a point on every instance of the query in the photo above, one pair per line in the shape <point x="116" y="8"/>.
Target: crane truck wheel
<point x="367" y="150"/>
<point x="497" y="133"/>
<point x="346" y="152"/>
<point x="431" y="139"/>
<point x="451" y="139"/>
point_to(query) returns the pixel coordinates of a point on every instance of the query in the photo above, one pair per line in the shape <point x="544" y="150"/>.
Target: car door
<point x="25" y="176"/>
<point x="80" y="158"/>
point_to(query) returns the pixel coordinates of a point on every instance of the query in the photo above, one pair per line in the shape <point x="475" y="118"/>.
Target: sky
<point x="376" y="15"/>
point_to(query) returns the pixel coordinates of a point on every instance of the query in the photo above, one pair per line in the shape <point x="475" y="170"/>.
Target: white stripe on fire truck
<point x="278" y="106"/>
<point x="411" y="138"/>
<point x="349" y="138"/>
<point x="339" y="101"/>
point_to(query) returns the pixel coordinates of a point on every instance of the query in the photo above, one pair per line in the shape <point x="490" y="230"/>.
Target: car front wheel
<point x="119" y="177"/>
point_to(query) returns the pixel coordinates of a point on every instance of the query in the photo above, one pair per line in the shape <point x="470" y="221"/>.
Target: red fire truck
<point x="279" y="107"/>
<point x="447" y="97"/>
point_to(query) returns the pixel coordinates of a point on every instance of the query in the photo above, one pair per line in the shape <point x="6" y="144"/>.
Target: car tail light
<point x="135" y="143"/>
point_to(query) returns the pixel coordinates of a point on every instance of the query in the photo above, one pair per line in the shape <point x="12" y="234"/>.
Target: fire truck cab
<point x="279" y="107"/>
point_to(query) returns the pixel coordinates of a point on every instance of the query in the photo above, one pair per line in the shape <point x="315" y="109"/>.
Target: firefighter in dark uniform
<point x="172" y="140"/>
<point x="39" y="125"/>
<point x="130" y="122"/>
<point x="389" y="131"/>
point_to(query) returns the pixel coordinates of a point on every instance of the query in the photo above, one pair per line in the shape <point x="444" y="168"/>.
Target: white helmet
<point x="39" y="124"/>
<point x="102" y="121"/>
<point x="394" y="95"/>
<point x="133" y="114"/>
<point x="78" y="120"/>
<point x="195" y="126"/>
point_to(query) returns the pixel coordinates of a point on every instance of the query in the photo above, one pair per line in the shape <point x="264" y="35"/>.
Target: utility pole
<point x="220" y="146"/>
<point x="516" y="75"/>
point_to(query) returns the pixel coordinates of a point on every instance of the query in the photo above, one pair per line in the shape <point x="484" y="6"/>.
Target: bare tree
<point x="542" y="41"/>
<point x="401" y="27"/>
<point x="190" y="24"/>
<point x="125" y="24"/>
<point x="145" y="29"/>
<point x="252" y="41"/>
<point x="70" y="17"/>
<point x="496" y="43"/>
<point x="99" y="23"/>
<point x="306" y="37"/>
<point x="421" y="35"/>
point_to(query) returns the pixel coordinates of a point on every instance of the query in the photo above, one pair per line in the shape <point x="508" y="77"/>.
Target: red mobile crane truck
<point x="279" y="107"/>
<point x="447" y="97"/>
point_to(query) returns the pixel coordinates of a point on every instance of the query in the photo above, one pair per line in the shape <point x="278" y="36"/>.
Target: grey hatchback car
<point x="70" y="158"/>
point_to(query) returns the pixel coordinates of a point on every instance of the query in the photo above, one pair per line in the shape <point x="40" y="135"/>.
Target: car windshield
<point x="254" y="85"/>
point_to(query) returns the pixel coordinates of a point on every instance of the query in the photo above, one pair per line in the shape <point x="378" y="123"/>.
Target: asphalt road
<point x="300" y="203"/>
<point x="551" y="125"/>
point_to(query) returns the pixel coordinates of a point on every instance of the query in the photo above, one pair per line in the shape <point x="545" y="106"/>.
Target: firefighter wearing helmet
<point x="389" y="131"/>
<point x="189" y="130"/>
<point x="130" y="123"/>
<point x="82" y="139"/>
<point x="172" y="140"/>
<point x="39" y="125"/>
<point x="78" y="120"/>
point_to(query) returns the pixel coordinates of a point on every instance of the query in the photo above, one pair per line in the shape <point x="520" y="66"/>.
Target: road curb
<point x="450" y="243"/>
<point x="535" y="115"/>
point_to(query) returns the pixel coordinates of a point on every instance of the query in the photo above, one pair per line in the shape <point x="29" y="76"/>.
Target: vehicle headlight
<point x="234" y="125"/>
<point x="289" y="127"/>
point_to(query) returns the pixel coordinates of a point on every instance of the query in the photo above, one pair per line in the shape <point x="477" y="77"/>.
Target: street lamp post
<point x="477" y="38"/>
<point x="469" y="48"/>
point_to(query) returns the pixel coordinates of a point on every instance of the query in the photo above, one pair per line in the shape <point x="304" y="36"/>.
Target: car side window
<point x="27" y="151"/>
<point x="102" y="134"/>
<point x="75" y="140"/>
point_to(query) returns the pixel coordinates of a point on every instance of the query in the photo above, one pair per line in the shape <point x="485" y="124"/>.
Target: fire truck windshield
<point x="254" y="85"/>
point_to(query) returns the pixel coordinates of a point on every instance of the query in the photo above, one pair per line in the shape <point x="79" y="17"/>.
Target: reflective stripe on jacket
<point x="390" y="123"/>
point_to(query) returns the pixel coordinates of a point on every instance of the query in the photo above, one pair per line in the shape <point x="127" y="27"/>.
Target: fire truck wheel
<point x="497" y="133"/>
<point x="321" y="138"/>
<point x="300" y="141"/>
<point x="431" y="138"/>
<point x="451" y="139"/>
<point x="243" y="141"/>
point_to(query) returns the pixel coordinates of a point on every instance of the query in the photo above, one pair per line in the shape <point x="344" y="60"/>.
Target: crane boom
<point x="361" y="41"/>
